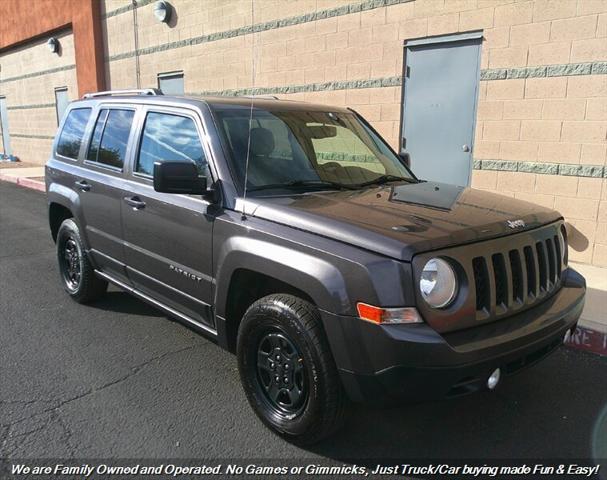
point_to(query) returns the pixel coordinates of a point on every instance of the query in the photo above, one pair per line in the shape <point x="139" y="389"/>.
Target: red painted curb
<point x="589" y="340"/>
<point x="24" y="182"/>
<point x="8" y="178"/>
<point x="33" y="184"/>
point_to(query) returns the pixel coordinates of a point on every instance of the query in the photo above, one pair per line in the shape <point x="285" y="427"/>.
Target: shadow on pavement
<point x="551" y="411"/>
<point x="123" y="302"/>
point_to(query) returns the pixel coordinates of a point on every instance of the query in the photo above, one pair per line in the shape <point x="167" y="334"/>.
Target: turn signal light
<point x="387" y="315"/>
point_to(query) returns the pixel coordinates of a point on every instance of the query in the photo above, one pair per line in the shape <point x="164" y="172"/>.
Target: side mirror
<point x="406" y="158"/>
<point x="179" y="177"/>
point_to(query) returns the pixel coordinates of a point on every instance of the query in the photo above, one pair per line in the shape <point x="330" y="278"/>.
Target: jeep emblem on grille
<point x="515" y="223"/>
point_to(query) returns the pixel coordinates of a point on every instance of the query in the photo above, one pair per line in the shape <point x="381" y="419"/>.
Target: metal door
<point x="439" y="102"/>
<point x="6" y="139"/>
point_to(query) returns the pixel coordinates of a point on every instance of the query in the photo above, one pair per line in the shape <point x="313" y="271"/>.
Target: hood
<point x="402" y="220"/>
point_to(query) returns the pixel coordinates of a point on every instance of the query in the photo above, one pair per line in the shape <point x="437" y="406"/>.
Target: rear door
<point x="99" y="184"/>
<point x="168" y="237"/>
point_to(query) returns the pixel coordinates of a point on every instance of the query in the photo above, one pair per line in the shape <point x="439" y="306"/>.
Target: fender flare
<point x="319" y="279"/>
<point x="68" y="198"/>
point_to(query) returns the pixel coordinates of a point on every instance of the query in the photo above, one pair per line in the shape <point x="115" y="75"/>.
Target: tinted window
<point x="169" y="138"/>
<point x="96" y="140"/>
<point x="286" y="147"/>
<point x="110" y="137"/>
<point x="72" y="133"/>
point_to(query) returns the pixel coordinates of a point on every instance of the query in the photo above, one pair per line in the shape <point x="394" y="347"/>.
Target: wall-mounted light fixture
<point x="53" y="45"/>
<point x="163" y="11"/>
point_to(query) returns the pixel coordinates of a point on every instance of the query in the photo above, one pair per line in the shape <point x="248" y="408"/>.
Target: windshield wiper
<point x="301" y="183"/>
<point x="385" y="179"/>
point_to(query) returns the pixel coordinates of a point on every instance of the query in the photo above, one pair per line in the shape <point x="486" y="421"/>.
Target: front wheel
<point x="77" y="273"/>
<point x="287" y="369"/>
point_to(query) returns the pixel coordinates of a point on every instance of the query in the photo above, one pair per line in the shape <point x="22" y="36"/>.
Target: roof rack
<point x="110" y="93"/>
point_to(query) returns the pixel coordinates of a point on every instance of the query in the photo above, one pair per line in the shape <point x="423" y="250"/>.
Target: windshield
<point x="306" y="149"/>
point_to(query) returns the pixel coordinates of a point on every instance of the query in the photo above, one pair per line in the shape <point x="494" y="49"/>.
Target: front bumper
<point x="388" y="363"/>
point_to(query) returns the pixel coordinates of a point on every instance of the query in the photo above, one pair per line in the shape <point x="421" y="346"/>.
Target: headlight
<point x="563" y="244"/>
<point x="438" y="283"/>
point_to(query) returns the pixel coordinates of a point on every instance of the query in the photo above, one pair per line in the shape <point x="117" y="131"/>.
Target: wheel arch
<point x="57" y="213"/>
<point x="250" y="269"/>
<point x="63" y="203"/>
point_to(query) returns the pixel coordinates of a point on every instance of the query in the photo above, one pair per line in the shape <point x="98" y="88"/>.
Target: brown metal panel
<point x="26" y="21"/>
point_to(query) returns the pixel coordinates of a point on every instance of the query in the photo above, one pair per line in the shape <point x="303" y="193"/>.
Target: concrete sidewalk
<point x="591" y="334"/>
<point x="27" y="176"/>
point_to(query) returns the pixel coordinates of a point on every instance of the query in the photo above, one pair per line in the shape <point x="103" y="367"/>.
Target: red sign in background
<point x="590" y="340"/>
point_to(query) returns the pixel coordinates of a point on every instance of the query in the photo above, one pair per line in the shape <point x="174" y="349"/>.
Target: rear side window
<point x="110" y="137"/>
<point x="70" y="139"/>
<point x="169" y="138"/>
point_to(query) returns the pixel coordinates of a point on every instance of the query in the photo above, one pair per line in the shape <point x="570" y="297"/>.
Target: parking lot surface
<point x="119" y="379"/>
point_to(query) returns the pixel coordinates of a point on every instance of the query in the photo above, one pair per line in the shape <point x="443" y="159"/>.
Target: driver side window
<point x="169" y="137"/>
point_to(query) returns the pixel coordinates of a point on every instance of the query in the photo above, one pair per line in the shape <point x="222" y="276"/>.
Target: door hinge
<point x="408" y="72"/>
<point x="404" y="143"/>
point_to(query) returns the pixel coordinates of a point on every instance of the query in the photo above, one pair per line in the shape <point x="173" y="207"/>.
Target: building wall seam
<point x="31" y="106"/>
<point x="566" y="69"/>
<point x="309" y="17"/>
<point x="262" y="27"/>
<point x="27" y="135"/>
<point x="38" y="73"/>
<point x="126" y="8"/>
<point x="542" y="168"/>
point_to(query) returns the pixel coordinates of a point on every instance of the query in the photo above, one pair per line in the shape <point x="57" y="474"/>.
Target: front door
<point x="6" y="139"/>
<point x="440" y="96"/>
<point x="168" y="237"/>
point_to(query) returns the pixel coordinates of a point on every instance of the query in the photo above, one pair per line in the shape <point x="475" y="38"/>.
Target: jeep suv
<point x="293" y="235"/>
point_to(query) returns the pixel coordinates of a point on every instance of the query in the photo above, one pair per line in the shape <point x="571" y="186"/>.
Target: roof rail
<point x="266" y="97"/>
<point x="110" y="93"/>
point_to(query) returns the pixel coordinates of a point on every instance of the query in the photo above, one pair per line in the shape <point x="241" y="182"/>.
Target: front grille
<point x="507" y="280"/>
<point x="500" y="277"/>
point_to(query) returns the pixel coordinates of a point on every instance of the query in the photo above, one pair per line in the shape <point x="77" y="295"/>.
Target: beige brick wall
<point x="561" y="119"/>
<point x="36" y="90"/>
<point x="582" y="200"/>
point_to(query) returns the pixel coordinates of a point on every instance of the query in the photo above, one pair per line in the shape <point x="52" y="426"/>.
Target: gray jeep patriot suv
<point x="293" y="235"/>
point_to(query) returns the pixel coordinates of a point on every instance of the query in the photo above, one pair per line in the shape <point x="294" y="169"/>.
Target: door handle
<point x="465" y="148"/>
<point x="83" y="185"/>
<point x="135" y="202"/>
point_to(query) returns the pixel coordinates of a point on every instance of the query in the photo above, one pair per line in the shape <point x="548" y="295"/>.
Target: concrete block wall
<point x="541" y="130"/>
<point x="28" y="78"/>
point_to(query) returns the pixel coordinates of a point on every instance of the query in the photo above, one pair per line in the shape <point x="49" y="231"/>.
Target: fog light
<point x="567" y="336"/>
<point x="494" y="379"/>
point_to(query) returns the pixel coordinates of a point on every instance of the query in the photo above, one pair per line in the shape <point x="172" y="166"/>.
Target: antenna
<point x="246" y="165"/>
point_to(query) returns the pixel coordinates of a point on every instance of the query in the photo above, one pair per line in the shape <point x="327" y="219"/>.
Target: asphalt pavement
<point x="119" y="379"/>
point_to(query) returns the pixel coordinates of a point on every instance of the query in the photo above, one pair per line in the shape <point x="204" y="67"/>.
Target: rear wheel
<point x="287" y="369"/>
<point x="77" y="273"/>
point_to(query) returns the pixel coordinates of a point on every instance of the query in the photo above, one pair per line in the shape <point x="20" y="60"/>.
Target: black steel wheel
<point x="287" y="370"/>
<point x="77" y="273"/>
<point x="281" y="372"/>
<point x="70" y="264"/>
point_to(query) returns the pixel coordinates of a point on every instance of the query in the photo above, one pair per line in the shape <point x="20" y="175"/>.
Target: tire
<point x="312" y="404"/>
<point x="77" y="273"/>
